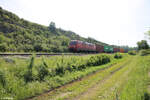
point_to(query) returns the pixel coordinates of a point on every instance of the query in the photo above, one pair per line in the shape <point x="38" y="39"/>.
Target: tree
<point x="3" y="47"/>
<point x="142" y="44"/>
<point x="38" y="47"/>
<point x="52" y="27"/>
<point x="2" y="38"/>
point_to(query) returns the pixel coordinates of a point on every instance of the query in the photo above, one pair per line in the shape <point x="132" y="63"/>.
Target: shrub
<point x="81" y="66"/>
<point x="8" y="60"/>
<point x="144" y="52"/>
<point x="2" y="78"/>
<point x="118" y="56"/>
<point x="91" y="61"/>
<point x="98" y="60"/>
<point x="3" y="47"/>
<point x="105" y="59"/>
<point x="69" y="67"/>
<point x="133" y="52"/>
<point x="28" y="74"/>
<point x="60" y="70"/>
<point x="42" y="70"/>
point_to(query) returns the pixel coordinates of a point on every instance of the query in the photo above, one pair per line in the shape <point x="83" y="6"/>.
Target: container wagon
<point x="116" y="50"/>
<point x="99" y="48"/>
<point x="108" y="49"/>
<point x="121" y="50"/>
<point x="125" y="50"/>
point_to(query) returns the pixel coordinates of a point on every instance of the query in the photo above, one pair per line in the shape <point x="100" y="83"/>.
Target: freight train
<point x="80" y="46"/>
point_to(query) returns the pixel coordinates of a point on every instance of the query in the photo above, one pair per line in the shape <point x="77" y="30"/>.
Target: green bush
<point x="2" y="78"/>
<point x="28" y="74"/>
<point x="118" y="56"/>
<point x="60" y="70"/>
<point x="133" y="52"/>
<point x="145" y="52"/>
<point x="42" y="70"/>
<point x="3" y="47"/>
<point x="105" y="59"/>
<point x="98" y="60"/>
<point x="70" y="67"/>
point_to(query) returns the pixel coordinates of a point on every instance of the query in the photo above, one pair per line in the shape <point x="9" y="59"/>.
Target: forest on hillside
<point x="20" y="35"/>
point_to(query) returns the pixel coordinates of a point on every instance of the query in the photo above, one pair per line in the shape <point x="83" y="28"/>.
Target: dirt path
<point x="88" y="95"/>
<point x="87" y="87"/>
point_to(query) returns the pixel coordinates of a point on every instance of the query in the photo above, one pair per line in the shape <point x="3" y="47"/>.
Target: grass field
<point x="22" y="78"/>
<point x="126" y="80"/>
<point x="93" y="77"/>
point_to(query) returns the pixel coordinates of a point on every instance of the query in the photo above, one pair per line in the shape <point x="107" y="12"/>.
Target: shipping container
<point x="125" y="50"/>
<point x="108" y="49"/>
<point x="121" y="50"/>
<point x="99" y="48"/>
<point x="116" y="50"/>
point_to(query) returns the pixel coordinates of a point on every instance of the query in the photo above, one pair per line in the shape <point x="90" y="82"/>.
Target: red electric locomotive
<point x="80" y="46"/>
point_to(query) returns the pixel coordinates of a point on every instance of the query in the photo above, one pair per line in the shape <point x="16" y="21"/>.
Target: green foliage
<point x="2" y="78"/>
<point x="118" y="56"/>
<point x="2" y="38"/>
<point x="45" y="73"/>
<point x="38" y="47"/>
<point x="28" y="76"/>
<point x="142" y="44"/>
<point x="52" y="27"/>
<point x="98" y="60"/>
<point x="42" y="71"/>
<point x="60" y="70"/>
<point x="145" y="52"/>
<point x="3" y="47"/>
<point x="132" y="52"/>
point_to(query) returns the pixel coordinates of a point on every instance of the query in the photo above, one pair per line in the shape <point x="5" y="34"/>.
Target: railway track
<point x="42" y="54"/>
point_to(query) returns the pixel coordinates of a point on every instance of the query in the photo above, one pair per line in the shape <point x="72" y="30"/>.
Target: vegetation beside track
<point x="138" y="82"/>
<point x="90" y="77"/>
<point x="75" y="89"/>
<point x="22" y="78"/>
<point x="129" y="79"/>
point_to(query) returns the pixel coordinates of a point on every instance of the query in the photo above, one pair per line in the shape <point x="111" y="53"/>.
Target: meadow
<point x="22" y="78"/>
<point x="89" y="77"/>
<point x="126" y="79"/>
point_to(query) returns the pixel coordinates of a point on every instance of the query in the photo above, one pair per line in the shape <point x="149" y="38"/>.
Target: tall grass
<point x="136" y="87"/>
<point x="30" y="77"/>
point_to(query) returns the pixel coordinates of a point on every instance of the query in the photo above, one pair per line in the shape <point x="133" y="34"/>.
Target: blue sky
<point x="119" y="22"/>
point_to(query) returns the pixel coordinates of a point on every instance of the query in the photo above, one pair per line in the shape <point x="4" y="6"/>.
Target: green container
<point x="108" y="49"/>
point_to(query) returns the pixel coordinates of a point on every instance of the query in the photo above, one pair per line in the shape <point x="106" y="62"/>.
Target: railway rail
<point x="42" y="54"/>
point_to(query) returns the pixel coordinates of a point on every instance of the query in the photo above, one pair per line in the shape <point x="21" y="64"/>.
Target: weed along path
<point x="99" y="85"/>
